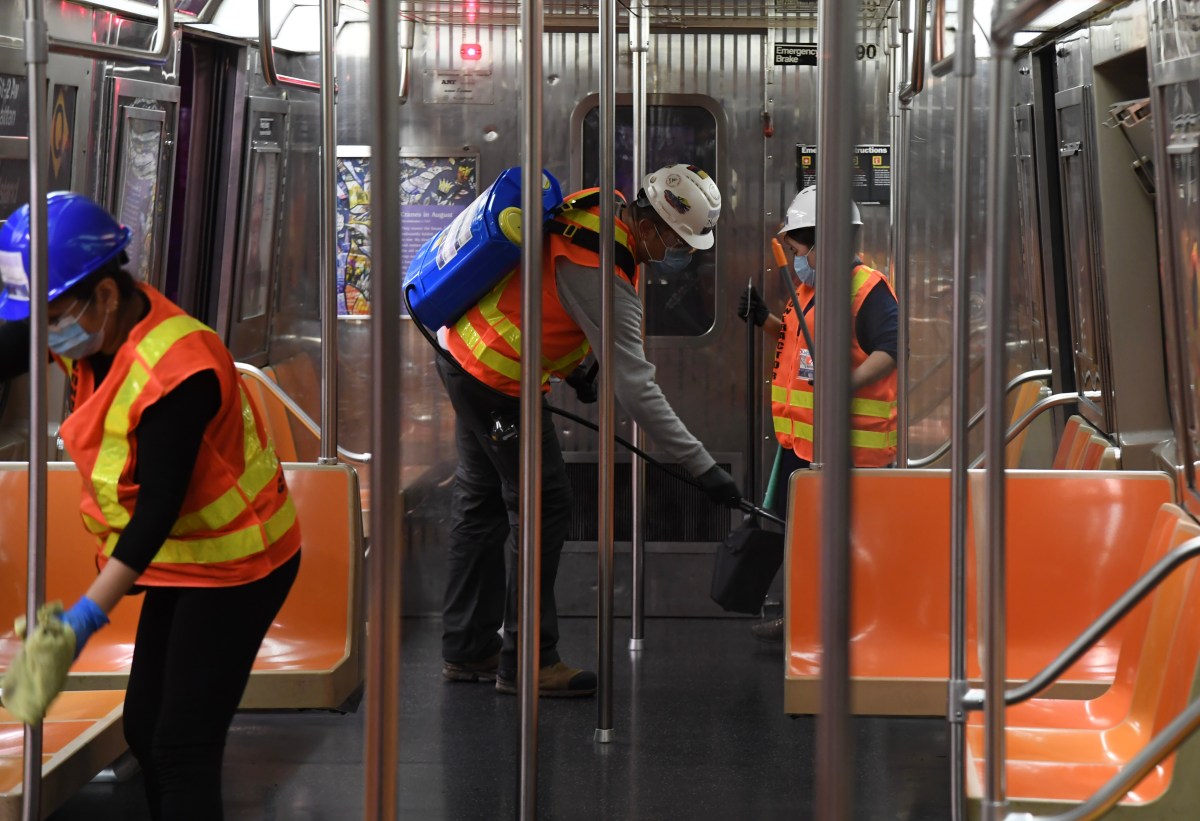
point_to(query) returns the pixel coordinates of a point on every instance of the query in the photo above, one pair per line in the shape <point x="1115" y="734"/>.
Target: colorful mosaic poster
<point x="353" y="236"/>
<point x="433" y="190"/>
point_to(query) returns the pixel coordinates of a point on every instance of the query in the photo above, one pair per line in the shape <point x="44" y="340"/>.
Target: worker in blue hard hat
<point x="184" y="496"/>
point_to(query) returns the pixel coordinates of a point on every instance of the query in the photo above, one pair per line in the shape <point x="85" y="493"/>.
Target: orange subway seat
<point x="1058" y="763"/>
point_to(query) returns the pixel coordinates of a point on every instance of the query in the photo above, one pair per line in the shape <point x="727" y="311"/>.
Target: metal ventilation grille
<point x="693" y="12"/>
<point x="675" y="512"/>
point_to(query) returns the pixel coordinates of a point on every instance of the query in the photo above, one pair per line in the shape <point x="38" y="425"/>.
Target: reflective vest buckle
<point x="570" y="230"/>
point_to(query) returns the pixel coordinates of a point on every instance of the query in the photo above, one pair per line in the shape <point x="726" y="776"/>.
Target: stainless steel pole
<point x="900" y="233"/>
<point x="329" y="323"/>
<point x="837" y="110"/>
<point x="960" y="355"/>
<point x="36" y="57"/>
<point x="530" y="618"/>
<point x="999" y="157"/>
<point x="604" y="545"/>
<point x="383" y="594"/>
<point x="639" y="47"/>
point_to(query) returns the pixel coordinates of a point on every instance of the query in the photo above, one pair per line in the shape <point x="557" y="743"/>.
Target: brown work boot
<point x="483" y="670"/>
<point x="554" y="681"/>
<point x="771" y="631"/>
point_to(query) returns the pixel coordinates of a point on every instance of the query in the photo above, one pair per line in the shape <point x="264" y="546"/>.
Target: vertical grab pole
<point x="639" y="46"/>
<point x="36" y="56"/>
<point x="529" y="620"/>
<point x="964" y="71"/>
<point x="329" y="323"/>
<point x="604" y="547"/>
<point x="999" y="154"/>
<point x="901" y="199"/>
<point x="383" y="595"/>
<point x="837" y="110"/>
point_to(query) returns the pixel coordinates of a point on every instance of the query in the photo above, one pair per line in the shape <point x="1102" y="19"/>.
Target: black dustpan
<point x="746" y="563"/>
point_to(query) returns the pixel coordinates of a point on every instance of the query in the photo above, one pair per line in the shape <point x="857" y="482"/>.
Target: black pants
<point x="484" y="527"/>
<point x="195" y="647"/>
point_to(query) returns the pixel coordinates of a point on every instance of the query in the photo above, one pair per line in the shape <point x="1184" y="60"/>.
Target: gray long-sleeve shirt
<point x="633" y="384"/>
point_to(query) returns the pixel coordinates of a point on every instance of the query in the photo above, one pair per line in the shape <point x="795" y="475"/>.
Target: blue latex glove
<point x="84" y="618"/>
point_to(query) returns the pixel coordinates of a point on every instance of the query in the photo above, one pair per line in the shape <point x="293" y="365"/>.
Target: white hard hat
<point x="688" y="201"/>
<point x="802" y="213"/>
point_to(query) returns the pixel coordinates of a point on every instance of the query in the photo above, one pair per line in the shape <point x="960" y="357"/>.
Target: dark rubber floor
<point x="700" y="734"/>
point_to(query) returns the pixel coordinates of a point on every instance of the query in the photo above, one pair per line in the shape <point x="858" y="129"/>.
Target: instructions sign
<point x="871" y="177"/>
<point x="795" y="54"/>
<point x="460" y="87"/>
<point x="14" y="106"/>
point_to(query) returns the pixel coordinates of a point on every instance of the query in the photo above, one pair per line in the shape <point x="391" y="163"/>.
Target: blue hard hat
<point x="81" y="237"/>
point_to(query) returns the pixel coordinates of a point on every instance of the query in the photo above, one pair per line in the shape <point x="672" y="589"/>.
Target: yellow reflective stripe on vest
<point x="226" y="547"/>
<point x="570" y="359"/>
<point x="493" y="359"/>
<point x="489" y="306"/>
<point x="866" y="439"/>
<point x="876" y="408"/>
<point x="261" y="467"/>
<point x="861" y="275"/>
<point x="114" y="447"/>
<point x="591" y="222"/>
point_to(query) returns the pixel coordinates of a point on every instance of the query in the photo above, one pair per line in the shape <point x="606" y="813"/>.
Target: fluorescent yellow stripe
<point x="876" y="408"/>
<point x="591" y="222"/>
<point x="570" y="359"/>
<point x="782" y="424"/>
<point x="114" y="446"/>
<point x="858" y="438"/>
<point x="226" y="547"/>
<point x="489" y="306"/>
<point x="801" y="399"/>
<point x="261" y="467"/>
<point x="779" y="394"/>
<point x="861" y="275"/>
<point x="495" y="360"/>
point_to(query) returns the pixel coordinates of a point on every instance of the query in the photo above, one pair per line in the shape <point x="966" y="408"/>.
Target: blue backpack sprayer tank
<point x="462" y="262"/>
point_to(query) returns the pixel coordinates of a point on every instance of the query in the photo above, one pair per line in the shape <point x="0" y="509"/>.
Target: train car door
<point x="141" y="155"/>
<point x="254" y="273"/>
<point x="1076" y="156"/>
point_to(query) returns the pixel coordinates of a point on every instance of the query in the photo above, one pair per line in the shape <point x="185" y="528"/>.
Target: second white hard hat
<point x="688" y="201"/>
<point x="802" y="213"/>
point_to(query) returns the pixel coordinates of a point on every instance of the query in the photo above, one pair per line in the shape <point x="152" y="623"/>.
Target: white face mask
<point x="805" y="273"/>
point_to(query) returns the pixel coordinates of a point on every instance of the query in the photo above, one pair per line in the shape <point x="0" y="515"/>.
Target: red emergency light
<point x="470" y="51"/>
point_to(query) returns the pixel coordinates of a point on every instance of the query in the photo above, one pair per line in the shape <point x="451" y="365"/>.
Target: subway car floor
<point x="700" y="734"/>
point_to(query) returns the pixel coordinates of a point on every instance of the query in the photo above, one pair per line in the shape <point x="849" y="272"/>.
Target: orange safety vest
<point x="237" y="523"/>
<point x="486" y="340"/>
<point x="872" y="408"/>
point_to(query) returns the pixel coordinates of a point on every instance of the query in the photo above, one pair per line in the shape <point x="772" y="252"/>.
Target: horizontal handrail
<point x="1096" y="630"/>
<point x="916" y="75"/>
<point x="1129" y="776"/>
<point x="1052" y="401"/>
<point x="279" y="393"/>
<point x="1020" y="379"/>
<point x="155" y="56"/>
<point x="266" y="51"/>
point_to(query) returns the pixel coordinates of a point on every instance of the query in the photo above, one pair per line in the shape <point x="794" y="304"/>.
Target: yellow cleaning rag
<point x="39" y="671"/>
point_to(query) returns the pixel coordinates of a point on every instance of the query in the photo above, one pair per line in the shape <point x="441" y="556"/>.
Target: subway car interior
<point x="993" y="627"/>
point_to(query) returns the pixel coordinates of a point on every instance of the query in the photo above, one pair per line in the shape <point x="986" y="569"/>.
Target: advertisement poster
<point x="62" y="136"/>
<point x="433" y="190"/>
<point x="14" y="106"/>
<point x="139" y="188"/>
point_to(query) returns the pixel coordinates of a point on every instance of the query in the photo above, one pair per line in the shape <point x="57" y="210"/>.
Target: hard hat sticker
<point x="678" y="203"/>
<point x="12" y="273"/>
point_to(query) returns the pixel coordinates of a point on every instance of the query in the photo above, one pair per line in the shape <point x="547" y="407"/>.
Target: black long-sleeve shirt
<point x="168" y="442"/>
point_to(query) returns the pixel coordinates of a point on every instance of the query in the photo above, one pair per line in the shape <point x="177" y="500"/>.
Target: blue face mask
<point x="675" y="260"/>
<point x="68" y="339"/>
<point x="805" y="273"/>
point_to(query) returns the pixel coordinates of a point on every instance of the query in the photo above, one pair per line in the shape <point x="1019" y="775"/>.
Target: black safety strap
<point x="590" y="241"/>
